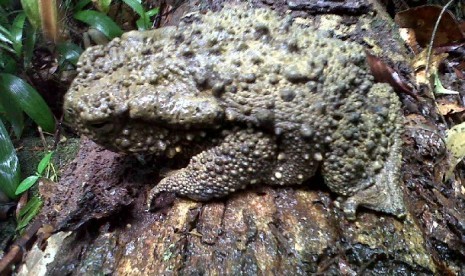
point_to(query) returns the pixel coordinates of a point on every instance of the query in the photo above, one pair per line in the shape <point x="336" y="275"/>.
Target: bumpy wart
<point x="250" y="98"/>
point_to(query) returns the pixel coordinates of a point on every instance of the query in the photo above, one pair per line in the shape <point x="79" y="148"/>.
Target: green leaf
<point x="5" y="35"/>
<point x="103" y="5"/>
<point x="152" y="12"/>
<point x="29" y="43"/>
<point x="97" y="36"/>
<point x="27" y="207"/>
<point x="5" y="3"/>
<point x="29" y="100"/>
<point x="80" y="5"/>
<point x="31" y="8"/>
<point x="17" y="33"/>
<point x="143" y="23"/>
<point x="68" y="52"/>
<point x="6" y="47"/>
<point x="26" y="184"/>
<point x="30" y="211"/>
<point x="9" y="165"/>
<point x="136" y="6"/>
<point x="44" y="163"/>
<point x="13" y="113"/>
<point x="439" y="89"/>
<point x="7" y="63"/>
<point x="3" y="13"/>
<point x="100" y="22"/>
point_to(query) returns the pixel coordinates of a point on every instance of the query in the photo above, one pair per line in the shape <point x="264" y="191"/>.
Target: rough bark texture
<point x="100" y="200"/>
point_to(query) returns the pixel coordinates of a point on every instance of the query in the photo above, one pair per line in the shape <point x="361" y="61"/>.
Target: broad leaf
<point x="17" y="33"/>
<point x="9" y="165"/>
<point x="5" y="3"/>
<point x="31" y="8"/>
<point x="80" y="5"/>
<point x="3" y="13"/>
<point x="30" y="211"/>
<point x="152" y="12"/>
<point x="7" y="48"/>
<point x="100" y="22"/>
<point x="69" y="52"/>
<point x="29" y="43"/>
<point x="44" y="163"/>
<point x="103" y="5"/>
<point x="29" y="100"/>
<point x="5" y="35"/>
<point x="136" y="6"/>
<point x="33" y="201"/>
<point x="7" y="63"/>
<point x="26" y="184"/>
<point x="143" y="23"/>
<point x="13" y="113"/>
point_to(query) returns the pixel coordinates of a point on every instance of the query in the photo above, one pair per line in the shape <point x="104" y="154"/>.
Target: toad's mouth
<point x="116" y="125"/>
<point x="159" y="138"/>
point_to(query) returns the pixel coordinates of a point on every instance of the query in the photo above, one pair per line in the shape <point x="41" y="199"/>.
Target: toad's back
<point x="312" y="97"/>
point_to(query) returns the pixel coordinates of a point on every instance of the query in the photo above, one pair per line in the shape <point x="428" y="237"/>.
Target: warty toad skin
<point x="250" y="98"/>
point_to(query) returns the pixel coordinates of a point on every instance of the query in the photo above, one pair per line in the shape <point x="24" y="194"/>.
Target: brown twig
<point x="433" y="36"/>
<point x="428" y="56"/>
<point x="16" y="250"/>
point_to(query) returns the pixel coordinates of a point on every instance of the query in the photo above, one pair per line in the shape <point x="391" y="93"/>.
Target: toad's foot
<point x="385" y="195"/>
<point x="365" y="167"/>
<point x="242" y="159"/>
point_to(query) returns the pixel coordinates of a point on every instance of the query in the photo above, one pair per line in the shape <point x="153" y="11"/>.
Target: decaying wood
<point x="100" y="201"/>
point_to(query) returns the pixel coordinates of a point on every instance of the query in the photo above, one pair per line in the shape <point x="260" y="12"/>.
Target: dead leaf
<point x="459" y="73"/>
<point x="462" y="26"/>
<point x="21" y="203"/>
<point x="450" y="108"/>
<point x="449" y="47"/>
<point x="422" y="20"/>
<point x="419" y="65"/>
<point x="384" y="73"/>
<point x="408" y="35"/>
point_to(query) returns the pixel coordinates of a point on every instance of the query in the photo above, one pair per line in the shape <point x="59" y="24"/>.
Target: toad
<point x="249" y="98"/>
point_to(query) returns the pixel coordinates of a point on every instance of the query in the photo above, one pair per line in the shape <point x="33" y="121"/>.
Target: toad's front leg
<point x="364" y="160"/>
<point x="244" y="158"/>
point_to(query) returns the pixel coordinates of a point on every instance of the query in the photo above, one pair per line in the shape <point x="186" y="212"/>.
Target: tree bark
<point x="99" y="205"/>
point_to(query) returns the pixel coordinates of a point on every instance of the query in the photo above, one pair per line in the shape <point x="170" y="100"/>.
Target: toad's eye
<point x="70" y="114"/>
<point x="98" y="125"/>
<point x="102" y="127"/>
